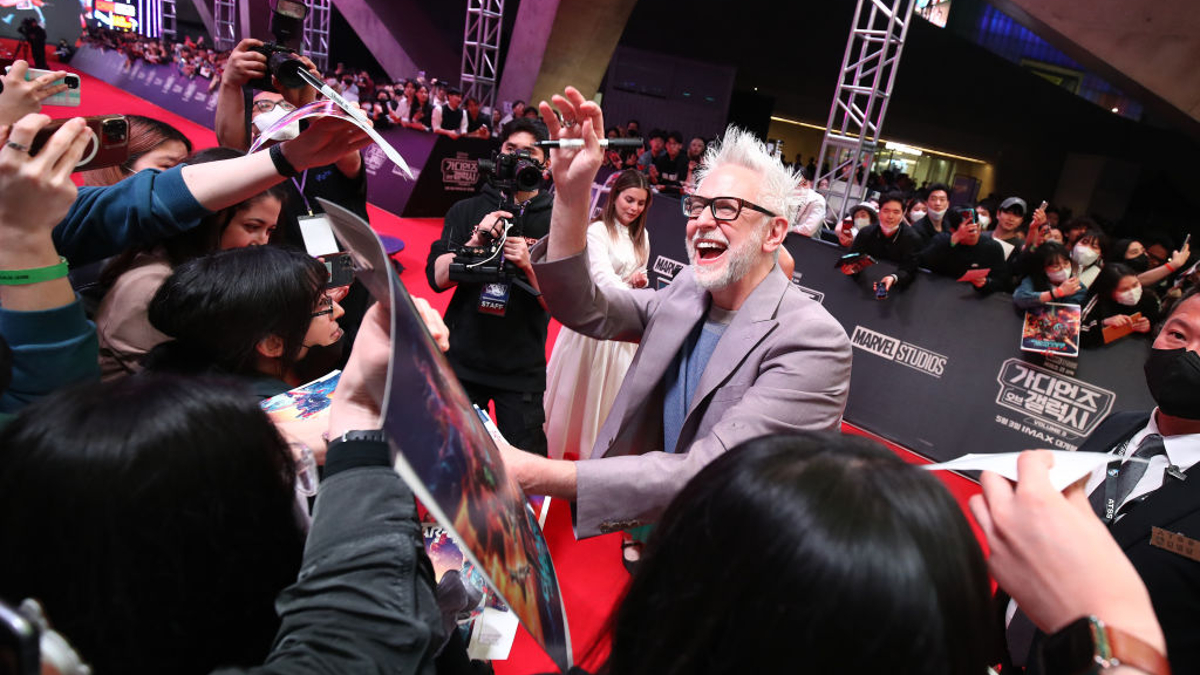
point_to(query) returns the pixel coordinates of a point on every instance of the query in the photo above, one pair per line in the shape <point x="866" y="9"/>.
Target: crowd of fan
<point x="157" y="515"/>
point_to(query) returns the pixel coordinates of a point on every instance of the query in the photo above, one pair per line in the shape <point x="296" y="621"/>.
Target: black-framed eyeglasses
<point x="722" y="208"/>
<point x="267" y="105"/>
<point x="326" y="307"/>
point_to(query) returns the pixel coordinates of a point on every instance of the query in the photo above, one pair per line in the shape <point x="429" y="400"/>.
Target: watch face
<point x="1070" y="650"/>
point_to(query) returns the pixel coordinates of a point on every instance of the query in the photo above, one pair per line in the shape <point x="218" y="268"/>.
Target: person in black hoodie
<point x="498" y="328"/>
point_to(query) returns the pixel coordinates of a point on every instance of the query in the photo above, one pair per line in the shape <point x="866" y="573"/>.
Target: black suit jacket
<point x="1173" y="580"/>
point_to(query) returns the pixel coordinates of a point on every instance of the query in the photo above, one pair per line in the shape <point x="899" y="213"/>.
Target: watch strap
<point x="355" y="449"/>
<point x="1128" y="650"/>
<point x="282" y="165"/>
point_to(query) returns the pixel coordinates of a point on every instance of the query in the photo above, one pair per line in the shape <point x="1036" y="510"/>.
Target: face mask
<point x="917" y="215"/>
<point x="889" y="231"/>
<point x="860" y="223"/>
<point x="1131" y="297"/>
<point x="984" y="221"/>
<point x="1139" y="264"/>
<point x="1058" y="276"/>
<point x="265" y="120"/>
<point x="1173" y="376"/>
<point x="938" y="215"/>
<point x="1084" y="255"/>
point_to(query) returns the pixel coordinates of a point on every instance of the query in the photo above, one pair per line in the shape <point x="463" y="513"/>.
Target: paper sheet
<point x="1068" y="466"/>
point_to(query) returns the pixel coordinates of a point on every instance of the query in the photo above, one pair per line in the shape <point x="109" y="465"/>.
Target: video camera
<point x="283" y="59"/>
<point x="509" y="174"/>
<point x="513" y="173"/>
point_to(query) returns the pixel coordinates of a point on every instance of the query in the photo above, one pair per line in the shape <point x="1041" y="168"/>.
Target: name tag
<point x="1175" y="543"/>
<point x="493" y="298"/>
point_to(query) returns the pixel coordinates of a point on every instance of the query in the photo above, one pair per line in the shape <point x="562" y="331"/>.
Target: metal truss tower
<point x="481" y="50"/>
<point x="316" y="33"/>
<point x="167" y="20"/>
<point x="863" y="91"/>
<point x="225" y="21"/>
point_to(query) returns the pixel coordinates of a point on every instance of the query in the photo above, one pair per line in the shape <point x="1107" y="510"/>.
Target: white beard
<point x="738" y="260"/>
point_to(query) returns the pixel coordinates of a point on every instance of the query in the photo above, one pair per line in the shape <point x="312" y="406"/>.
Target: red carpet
<point x="590" y="572"/>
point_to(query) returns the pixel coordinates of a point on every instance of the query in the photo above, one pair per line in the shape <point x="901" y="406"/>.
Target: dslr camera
<point x="283" y="59"/>
<point x="509" y="174"/>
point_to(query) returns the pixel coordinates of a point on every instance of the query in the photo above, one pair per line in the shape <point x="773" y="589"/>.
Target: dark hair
<point x="897" y="197"/>
<point x="935" y="187"/>
<point x="1117" y="254"/>
<point x="220" y="306"/>
<point x="804" y="544"/>
<point x="201" y="239"/>
<point x="453" y="91"/>
<point x="145" y="134"/>
<point x="657" y="133"/>
<point x="1046" y="253"/>
<point x="154" y="518"/>
<point x="675" y="136"/>
<point x="525" y="124"/>
<point x="1092" y="232"/>
<point x="1108" y="279"/>
<point x="630" y="178"/>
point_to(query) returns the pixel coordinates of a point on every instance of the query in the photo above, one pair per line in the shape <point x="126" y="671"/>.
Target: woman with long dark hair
<point x="1116" y="300"/>
<point x="584" y="373"/>
<point x="251" y="312"/>
<point x="134" y="276"/>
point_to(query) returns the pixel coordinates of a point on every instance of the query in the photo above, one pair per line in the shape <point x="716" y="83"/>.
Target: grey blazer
<point x="783" y="364"/>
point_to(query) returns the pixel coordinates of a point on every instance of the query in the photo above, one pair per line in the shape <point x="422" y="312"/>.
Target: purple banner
<point x="162" y="85"/>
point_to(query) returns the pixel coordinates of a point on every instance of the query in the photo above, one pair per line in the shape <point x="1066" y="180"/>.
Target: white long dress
<point x="584" y="374"/>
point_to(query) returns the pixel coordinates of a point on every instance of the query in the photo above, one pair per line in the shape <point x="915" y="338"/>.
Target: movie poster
<point x="449" y="460"/>
<point x="1052" y="328"/>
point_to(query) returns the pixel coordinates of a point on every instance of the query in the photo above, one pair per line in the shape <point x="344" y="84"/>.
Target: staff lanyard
<point x="1110" y="481"/>
<point x="300" y="186"/>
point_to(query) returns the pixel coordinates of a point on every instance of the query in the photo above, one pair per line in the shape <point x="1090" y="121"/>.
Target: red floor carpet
<point x="590" y="571"/>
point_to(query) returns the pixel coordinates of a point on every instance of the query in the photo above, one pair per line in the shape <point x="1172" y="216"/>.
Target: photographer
<point x="33" y="33"/>
<point x="497" y="327"/>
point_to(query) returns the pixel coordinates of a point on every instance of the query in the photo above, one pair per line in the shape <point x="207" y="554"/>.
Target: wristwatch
<point x="357" y="448"/>
<point x="1088" y="645"/>
<point x="359" y="435"/>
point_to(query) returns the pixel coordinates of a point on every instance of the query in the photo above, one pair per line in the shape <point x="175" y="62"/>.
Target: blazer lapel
<point x="753" y="321"/>
<point x="1175" y="499"/>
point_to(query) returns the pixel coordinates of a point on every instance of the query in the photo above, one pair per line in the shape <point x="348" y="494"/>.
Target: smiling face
<point x="1007" y="221"/>
<point x="253" y="225"/>
<point x="630" y="204"/>
<point x="725" y="254"/>
<point x="890" y="215"/>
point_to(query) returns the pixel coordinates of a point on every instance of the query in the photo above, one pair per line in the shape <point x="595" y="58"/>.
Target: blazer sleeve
<point x="577" y="302"/>
<point x="801" y="383"/>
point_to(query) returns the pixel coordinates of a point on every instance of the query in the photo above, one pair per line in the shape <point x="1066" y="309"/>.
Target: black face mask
<point x="1139" y="264"/>
<point x="1173" y="376"/>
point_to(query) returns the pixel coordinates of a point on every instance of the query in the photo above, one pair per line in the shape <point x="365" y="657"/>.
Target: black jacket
<point x="509" y="351"/>
<point x="941" y="257"/>
<point x="902" y="248"/>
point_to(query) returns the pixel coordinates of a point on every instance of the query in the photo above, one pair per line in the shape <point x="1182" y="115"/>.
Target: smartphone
<point x="109" y="146"/>
<point x="320" y="243"/>
<point x="70" y="97"/>
<point x="881" y="291"/>
<point x="20" y="643"/>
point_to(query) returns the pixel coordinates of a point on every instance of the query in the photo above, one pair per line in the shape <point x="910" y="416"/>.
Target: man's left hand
<point x="517" y="251"/>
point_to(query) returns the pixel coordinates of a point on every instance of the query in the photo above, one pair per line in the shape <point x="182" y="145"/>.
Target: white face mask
<point x="265" y="120"/>
<point x="860" y="223"/>
<point x="1084" y="255"/>
<point x="917" y="215"/>
<point x="1059" y="275"/>
<point x="1130" y="297"/>
<point x="984" y="221"/>
<point x="938" y="215"/>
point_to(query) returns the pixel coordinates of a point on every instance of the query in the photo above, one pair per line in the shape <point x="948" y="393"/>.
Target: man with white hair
<point x="731" y="350"/>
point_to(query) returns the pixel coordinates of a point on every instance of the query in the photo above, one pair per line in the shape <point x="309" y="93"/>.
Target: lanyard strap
<point x="300" y="187"/>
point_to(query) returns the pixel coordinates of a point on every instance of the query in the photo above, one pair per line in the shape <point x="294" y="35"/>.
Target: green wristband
<point x="35" y="275"/>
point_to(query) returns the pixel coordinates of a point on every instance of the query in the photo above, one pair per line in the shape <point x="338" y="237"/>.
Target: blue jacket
<point x="142" y="209"/>
<point x="52" y="349"/>
<point x="1027" y="297"/>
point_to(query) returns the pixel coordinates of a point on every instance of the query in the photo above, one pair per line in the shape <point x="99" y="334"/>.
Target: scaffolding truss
<point x="316" y="33"/>
<point x="167" y="20"/>
<point x="481" y="50"/>
<point x="860" y="103"/>
<point x="225" y="22"/>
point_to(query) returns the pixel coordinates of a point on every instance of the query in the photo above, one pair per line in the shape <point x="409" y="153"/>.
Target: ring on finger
<point x="19" y="147"/>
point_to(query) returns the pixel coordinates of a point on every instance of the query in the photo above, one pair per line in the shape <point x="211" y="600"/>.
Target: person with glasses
<point x="729" y="351"/>
<point x="252" y="313"/>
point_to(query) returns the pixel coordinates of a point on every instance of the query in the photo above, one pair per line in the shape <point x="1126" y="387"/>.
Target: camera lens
<point x="115" y="130"/>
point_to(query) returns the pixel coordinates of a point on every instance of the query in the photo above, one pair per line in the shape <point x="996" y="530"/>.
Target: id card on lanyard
<point x="493" y="297"/>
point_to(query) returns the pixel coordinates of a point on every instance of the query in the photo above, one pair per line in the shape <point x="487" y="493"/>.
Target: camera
<point x="512" y="173"/>
<point x="486" y="263"/>
<point x="28" y="27"/>
<point x="283" y="59"/>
